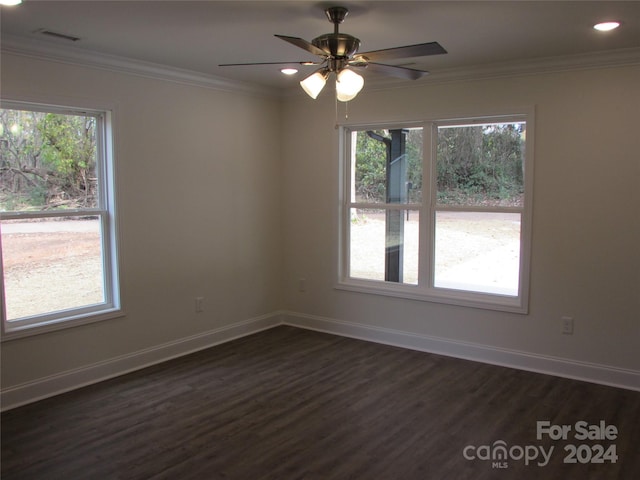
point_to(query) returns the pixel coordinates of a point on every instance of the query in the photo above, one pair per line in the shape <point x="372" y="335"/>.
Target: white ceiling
<point x="199" y="35"/>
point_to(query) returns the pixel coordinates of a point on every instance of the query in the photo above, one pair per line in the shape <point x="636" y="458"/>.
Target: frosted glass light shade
<point x="348" y="84"/>
<point x="314" y="83"/>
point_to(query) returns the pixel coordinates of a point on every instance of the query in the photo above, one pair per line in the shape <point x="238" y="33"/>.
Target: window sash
<point x="425" y="289"/>
<point x="105" y="210"/>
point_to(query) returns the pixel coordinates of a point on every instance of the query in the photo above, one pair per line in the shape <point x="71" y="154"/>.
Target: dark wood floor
<point x="294" y="404"/>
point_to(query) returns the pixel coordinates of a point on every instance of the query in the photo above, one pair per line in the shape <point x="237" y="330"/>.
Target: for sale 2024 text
<point x="587" y="448"/>
<point x="581" y="431"/>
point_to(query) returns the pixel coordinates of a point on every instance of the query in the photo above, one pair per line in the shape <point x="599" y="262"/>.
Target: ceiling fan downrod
<point x="337" y="46"/>
<point x="336" y="15"/>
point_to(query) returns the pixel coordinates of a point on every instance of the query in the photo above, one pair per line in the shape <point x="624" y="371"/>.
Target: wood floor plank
<point x="295" y="404"/>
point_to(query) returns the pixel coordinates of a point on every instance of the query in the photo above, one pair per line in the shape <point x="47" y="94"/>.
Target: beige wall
<point x="198" y="179"/>
<point x="233" y="197"/>
<point x="586" y="220"/>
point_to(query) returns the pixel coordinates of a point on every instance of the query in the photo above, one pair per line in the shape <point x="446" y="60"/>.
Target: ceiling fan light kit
<point x="315" y="82"/>
<point x="348" y="85"/>
<point x="339" y="54"/>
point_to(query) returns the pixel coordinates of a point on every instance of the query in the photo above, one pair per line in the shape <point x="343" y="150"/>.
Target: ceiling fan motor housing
<point x="337" y="44"/>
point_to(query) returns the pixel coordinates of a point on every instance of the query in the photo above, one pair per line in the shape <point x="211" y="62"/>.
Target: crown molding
<point x="535" y="66"/>
<point x="81" y="57"/>
<point x="75" y="56"/>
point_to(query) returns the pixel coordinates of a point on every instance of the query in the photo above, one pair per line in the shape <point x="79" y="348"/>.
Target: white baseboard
<point x="39" y="389"/>
<point x="70" y="380"/>
<point x="560" y="367"/>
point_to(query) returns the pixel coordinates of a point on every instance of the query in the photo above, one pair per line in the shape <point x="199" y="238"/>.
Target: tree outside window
<point x="57" y="217"/>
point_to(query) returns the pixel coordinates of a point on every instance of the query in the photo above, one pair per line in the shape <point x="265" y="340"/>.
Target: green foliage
<point x="37" y="195"/>
<point x="415" y="155"/>
<point x="371" y="165"/>
<point x="371" y="158"/>
<point x="480" y="164"/>
<point x="48" y="160"/>
<point x="476" y="165"/>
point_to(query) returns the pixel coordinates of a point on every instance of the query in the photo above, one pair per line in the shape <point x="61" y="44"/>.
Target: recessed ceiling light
<point x="606" y="26"/>
<point x="289" y="71"/>
<point x="10" y="2"/>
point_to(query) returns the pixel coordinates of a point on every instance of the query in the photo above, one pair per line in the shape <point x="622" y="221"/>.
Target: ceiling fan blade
<point x="409" y="51"/>
<point x="395" y="71"/>
<point x="302" y="43"/>
<point x="268" y="63"/>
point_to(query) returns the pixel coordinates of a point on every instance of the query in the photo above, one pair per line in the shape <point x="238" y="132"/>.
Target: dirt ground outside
<point x="51" y="266"/>
<point x="57" y="265"/>
<point x="475" y="251"/>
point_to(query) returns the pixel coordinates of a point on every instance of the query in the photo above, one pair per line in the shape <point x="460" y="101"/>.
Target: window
<point x="59" y="262"/>
<point x="439" y="211"/>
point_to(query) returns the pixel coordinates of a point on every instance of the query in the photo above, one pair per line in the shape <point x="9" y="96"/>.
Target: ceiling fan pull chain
<point x="346" y="112"/>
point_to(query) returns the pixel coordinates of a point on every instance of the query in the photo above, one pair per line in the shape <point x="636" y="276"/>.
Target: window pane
<point x="384" y="245"/>
<point x="48" y="161"/>
<point x="481" y="165"/>
<point x="51" y="265"/>
<point x="387" y="166"/>
<point x="478" y="252"/>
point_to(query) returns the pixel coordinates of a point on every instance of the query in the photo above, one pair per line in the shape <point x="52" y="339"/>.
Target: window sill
<point x="16" y="331"/>
<point x="500" y="303"/>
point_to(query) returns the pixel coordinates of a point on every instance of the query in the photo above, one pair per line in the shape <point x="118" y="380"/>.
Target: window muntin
<point x="471" y="240"/>
<point x="59" y="262"/>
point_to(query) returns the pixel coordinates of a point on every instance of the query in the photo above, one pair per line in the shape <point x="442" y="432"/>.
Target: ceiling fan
<point x="339" y="55"/>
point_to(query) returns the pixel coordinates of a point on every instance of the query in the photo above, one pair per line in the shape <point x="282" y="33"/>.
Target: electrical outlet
<point x="567" y="325"/>
<point x="199" y="304"/>
<point x="302" y="285"/>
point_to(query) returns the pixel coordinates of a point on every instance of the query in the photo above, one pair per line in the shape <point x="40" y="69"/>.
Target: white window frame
<point x="105" y="211"/>
<point x="425" y="290"/>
